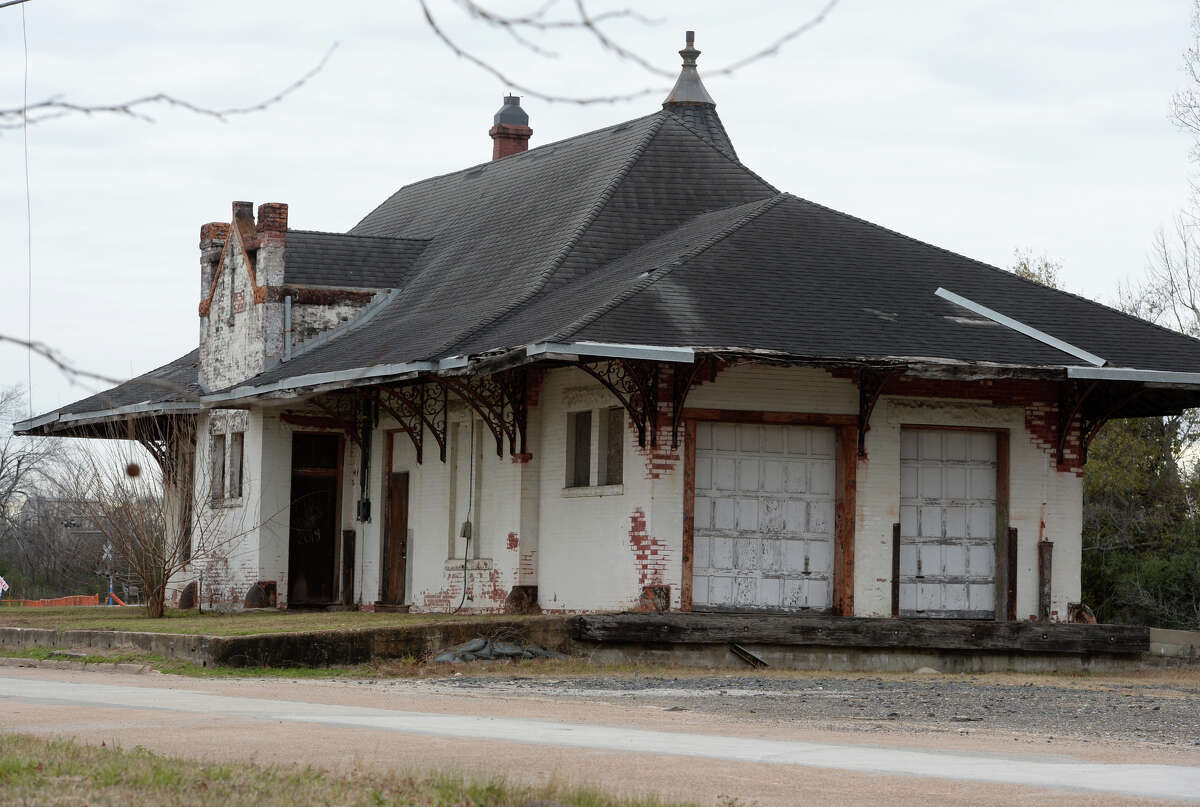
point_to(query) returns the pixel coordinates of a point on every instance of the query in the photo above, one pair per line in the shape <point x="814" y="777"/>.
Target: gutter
<point x="318" y="379"/>
<point x="25" y="426"/>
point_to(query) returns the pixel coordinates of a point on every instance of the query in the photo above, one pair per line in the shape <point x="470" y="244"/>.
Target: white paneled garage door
<point x="947" y="523"/>
<point x="763" y="535"/>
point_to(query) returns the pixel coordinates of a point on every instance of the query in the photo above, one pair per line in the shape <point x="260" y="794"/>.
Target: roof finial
<point x="688" y="88"/>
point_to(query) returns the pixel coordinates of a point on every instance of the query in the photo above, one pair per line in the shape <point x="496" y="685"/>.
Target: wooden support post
<point x="1045" y="566"/>
<point x="348" y="567"/>
<point x="1010" y="593"/>
<point x="845" y="488"/>
<point x="896" y="569"/>
<point x="689" y="515"/>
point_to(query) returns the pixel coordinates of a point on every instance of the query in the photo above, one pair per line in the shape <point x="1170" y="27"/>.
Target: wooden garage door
<point x="764" y="517"/>
<point x="947" y="523"/>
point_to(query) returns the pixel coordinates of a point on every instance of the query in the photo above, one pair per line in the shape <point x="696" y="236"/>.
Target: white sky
<point x="978" y="126"/>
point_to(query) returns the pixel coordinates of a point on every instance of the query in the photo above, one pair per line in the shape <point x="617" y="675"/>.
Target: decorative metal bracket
<point x="346" y="421"/>
<point x="635" y="383"/>
<point x="870" y="386"/>
<point x="500" y="400"/>
<point x="1074" y="402"/>
<point x="418" y="407"/>
<point x="683" y="378"/>
<point x="1072" y="396"/>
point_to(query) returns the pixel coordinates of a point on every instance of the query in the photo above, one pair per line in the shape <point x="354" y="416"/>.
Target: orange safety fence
<point x="57" y="602"/>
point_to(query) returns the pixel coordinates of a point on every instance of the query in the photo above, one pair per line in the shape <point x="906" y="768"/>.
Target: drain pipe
<point x="287" y="328"/>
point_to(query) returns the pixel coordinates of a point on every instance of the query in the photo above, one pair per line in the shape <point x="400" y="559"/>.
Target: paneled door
<point x="948" y="523"/>
<point x="764" y="517"/>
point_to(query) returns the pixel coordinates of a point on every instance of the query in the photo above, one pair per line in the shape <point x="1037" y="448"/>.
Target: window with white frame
<point x="595" y="448"/>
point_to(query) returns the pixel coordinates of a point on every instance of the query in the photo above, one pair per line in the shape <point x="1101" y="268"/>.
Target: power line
<point x="28" y="219"/>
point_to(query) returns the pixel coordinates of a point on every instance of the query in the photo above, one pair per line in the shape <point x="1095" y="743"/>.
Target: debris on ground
<point x="481" y="649"/>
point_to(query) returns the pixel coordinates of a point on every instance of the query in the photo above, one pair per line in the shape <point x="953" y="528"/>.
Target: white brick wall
<point x="592" y="552"/>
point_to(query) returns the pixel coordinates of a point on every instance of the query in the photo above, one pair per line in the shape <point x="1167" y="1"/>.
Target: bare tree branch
<point x="57" y="107"/>
<point x="592" y="24"/>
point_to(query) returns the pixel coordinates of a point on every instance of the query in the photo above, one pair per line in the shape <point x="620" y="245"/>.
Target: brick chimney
<point x="241" y="306"/>
<point x="510" y="132"/>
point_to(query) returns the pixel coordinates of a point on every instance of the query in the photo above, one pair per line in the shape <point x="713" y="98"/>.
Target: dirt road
<point x="602" y="736"/>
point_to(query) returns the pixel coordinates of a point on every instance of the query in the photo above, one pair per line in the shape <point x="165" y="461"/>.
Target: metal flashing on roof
<point x="453" y="362"/>
<point x="1020" y="327"/>
<point x="322" y="379"/>
<point x="608" y="350"/>
<point x="83" y="418"/>
<point x="1156" y="377"/>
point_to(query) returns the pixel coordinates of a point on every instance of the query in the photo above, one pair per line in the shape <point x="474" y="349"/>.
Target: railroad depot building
<point x="624" y="371"/>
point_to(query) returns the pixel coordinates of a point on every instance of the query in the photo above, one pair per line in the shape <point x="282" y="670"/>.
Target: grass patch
<point x="58" y="773"/>
<point x="241" y="623"/>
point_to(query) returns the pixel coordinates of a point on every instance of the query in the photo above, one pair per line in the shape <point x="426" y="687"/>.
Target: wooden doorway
<point x="395" y="553"/>
<point x="315" y="505"/>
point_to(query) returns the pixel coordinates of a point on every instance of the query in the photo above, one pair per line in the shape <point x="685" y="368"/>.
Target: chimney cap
<point x="511" y="114"/>
<point x="689" y="89"/>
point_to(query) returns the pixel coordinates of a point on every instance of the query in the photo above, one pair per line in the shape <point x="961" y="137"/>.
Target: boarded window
<point x="217" y="459"/>
<point x="236" y="444"/>
<point x="579" y="449"/>
<point x="612" y="434"/>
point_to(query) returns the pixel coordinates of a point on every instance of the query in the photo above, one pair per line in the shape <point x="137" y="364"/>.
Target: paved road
<point x="631" y="749"/>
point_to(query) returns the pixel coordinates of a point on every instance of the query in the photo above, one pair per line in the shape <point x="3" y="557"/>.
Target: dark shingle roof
<point x="506" y="231"/>
<point x="175" y="382"/>
<point x="704" y="121"/>
<point x="595" y="238"/>
<point x="348" y="261"/>
<point x="813" y="282"/>
<point x="651" y="232"/>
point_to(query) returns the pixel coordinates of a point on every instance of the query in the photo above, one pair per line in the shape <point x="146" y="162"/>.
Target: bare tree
<point x="23" y="461"/>
<point x="138" y="108"/>
<point x="153" y="505"/>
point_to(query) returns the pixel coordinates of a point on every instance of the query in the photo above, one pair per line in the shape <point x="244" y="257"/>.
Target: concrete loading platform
<point x="782" y="641"/>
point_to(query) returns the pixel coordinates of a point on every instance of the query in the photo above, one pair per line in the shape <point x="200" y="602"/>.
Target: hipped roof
<point x="651" y="232"/>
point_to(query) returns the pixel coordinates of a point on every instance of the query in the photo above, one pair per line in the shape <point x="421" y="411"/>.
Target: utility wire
<point x="28" y="223"/>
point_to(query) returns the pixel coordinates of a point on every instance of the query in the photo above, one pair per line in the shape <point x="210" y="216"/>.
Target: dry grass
<point x="61" y="773"/>
<point x="217" y="624"/>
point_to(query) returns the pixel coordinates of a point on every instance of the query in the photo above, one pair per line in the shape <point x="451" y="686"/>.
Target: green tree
<point x="1141" y="520"/>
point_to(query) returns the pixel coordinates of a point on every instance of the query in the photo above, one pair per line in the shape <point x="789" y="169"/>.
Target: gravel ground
<point x="1156" y="713"/>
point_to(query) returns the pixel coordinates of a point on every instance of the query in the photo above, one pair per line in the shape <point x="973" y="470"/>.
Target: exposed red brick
<point x="650" y="554"/>
<point x="272" y="217"/>
<point x="513" y="541"/>
<point x="1038" y="398"/>
<point x="509" y="139"/>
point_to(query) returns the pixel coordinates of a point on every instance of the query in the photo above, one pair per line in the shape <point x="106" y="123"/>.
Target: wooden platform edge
<point x="860" y="632"/>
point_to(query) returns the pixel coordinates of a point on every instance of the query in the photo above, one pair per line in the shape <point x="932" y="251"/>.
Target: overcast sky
<point x="977" y="126"/>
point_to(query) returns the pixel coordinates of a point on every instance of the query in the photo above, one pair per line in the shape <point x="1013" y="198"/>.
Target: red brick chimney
<point x="510" y="132"/>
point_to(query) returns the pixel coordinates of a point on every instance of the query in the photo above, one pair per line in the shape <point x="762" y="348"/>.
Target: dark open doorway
<point x="312" y="540"/>
<point x="395" y="558"/>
